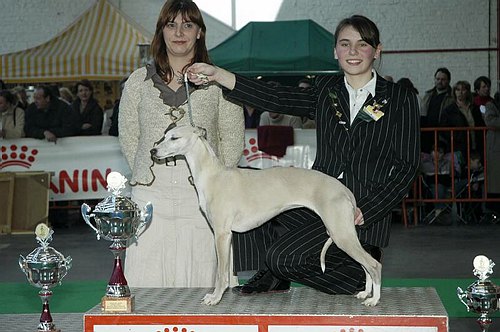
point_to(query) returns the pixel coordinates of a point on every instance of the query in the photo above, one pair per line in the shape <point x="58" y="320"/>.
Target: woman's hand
<point x="202" y="73"/>
<point x="358" y="217"/>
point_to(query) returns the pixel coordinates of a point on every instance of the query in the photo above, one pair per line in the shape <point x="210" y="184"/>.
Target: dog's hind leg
<point x="222" y="248"/>
<point x="340" y="225"/>
<point x="368" y="286"/>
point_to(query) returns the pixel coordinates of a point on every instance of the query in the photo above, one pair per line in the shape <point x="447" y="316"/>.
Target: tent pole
<point x="233" y="14"/>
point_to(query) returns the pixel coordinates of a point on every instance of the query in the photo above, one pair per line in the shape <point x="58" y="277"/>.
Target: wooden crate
<point x="30" y="203"/>
<point x="7" y="200"/>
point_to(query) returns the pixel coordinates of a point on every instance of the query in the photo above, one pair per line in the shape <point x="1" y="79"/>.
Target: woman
<point x="367" y="136"/>
<point x="463" y="113"/>
<point x="66" y="95"/>
<point x="492" y="120"/>
<point x="177" y="250"/>
<point x="91" y="114"/>
<point x="11" y="116"/>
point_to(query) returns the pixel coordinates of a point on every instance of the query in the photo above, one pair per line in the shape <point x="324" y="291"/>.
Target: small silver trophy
<point x="45" y="267"/>
<point x="483" y="295"/>
<point x="118" y="219"/>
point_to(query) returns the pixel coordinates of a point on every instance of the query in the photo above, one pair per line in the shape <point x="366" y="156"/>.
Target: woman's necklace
<point x="179" y="77"/>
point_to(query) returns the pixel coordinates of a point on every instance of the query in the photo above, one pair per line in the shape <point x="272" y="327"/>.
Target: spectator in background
<point x="11" y="116"/>
<point x="277" y="119"/>
<point x="22" y="97"/>
<point x="408" y="84"/>
<point x="482" y="87"/>
<point x="434" y="101"/>
<point x="252" y="116"/>
<point x="462" y="113"/>
<point x="50" y="118"/>
<point x="91" y="114"/>
<point x="3" y="86"/>
<point x="66" y="95"/>
<point x="307" y="123"/>
<point x="107" y="113"/>
<point x="492" y="119"/>
<point x="113" y="128"/>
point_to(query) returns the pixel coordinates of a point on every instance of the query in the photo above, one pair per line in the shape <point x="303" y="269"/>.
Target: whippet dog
<point x="239" y="200"/>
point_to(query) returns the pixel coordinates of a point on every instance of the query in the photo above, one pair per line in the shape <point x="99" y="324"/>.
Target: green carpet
<point x="73" y="297"/>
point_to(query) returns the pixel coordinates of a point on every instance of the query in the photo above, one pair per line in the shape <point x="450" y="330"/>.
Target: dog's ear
<point x="202" y="132"/>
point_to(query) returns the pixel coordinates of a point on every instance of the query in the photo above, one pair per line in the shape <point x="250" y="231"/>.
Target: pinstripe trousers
<point x="290" y="245"/>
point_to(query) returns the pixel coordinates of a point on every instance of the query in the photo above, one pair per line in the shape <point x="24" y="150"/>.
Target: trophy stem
<point x="46" y="322"/>
<point x="484" y="322"/>
<point x="117" y="286"/>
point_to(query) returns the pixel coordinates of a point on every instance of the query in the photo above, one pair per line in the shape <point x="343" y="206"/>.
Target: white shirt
<point x="357" y="97"/>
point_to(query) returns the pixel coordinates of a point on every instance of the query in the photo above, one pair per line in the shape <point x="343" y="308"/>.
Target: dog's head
<point x="177" y="141"/>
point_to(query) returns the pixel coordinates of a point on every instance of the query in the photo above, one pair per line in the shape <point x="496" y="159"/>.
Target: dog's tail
<point x="327" y="245"/>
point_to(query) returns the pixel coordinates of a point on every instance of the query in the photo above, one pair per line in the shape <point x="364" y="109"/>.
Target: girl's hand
<point x="358" y="217"/>
<point x="202" y="73"/>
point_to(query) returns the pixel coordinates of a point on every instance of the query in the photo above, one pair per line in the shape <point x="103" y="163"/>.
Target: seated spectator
<point x="252" y="116"/>
<point x="473" y="211"/>
<point x="50" y="118"/>
<point x="66" y="95"/>
<point x="11" y="116"/>
<point x="437" y="165"/>
<point x="463" y="113"/>
<point x="22" y="97"/>
<point x="277" y="119"/>
<point x="91" y="114"/>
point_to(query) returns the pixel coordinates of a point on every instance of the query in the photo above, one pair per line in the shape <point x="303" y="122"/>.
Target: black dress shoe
<point x="263" y="282"/>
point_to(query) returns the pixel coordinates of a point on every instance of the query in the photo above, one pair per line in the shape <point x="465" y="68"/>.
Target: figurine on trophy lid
<point x="117" y="219"/>
<point x="483" y="295"/>
<point x="45" y="267"/>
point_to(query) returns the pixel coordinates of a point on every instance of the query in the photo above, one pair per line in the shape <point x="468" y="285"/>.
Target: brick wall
<point x="422" y="25"/>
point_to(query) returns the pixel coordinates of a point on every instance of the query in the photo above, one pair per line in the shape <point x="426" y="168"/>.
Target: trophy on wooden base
<point x="45" y="267"/>
<point x="117" y="219"/>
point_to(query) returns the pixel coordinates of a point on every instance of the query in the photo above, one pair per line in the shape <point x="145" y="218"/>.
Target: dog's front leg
<point x="222" y="248"/>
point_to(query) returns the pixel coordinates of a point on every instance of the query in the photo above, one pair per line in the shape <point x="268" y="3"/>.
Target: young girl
<point x="367" y="136"/>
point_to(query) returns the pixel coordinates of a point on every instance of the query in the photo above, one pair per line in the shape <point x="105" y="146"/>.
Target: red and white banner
<point x="79" y="165"/>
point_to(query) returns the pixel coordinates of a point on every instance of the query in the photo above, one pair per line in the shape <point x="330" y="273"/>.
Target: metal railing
<point x="460" y="190"/>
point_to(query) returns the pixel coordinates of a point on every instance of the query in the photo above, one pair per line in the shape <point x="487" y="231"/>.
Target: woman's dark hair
<point x="366" y="28"/>
<point x="477" y="82"/>
<point x="85" y="83"/>
<point x="9" y="96"/>
<point x="190" y="13"/>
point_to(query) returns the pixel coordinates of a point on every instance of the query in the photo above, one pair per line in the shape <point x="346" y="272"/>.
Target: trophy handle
<point x="85" y="209"/>
<point x="22" y="263"/>
<point x="461" y="295"/>
<point x="146" y="217"/>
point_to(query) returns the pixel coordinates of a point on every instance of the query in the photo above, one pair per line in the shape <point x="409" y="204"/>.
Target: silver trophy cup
<point x="45" y="267"/>
<point x="117" y="219"/>
<point x="483" y="295"/>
